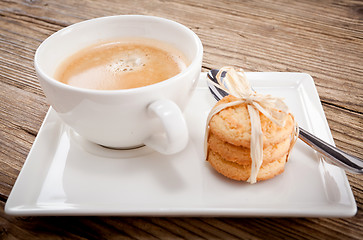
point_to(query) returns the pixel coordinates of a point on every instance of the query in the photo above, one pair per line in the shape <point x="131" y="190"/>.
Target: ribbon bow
<point x="236" y="84"/>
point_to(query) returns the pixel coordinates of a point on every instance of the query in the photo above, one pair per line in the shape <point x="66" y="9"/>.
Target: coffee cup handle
<point x="176" y="134"/>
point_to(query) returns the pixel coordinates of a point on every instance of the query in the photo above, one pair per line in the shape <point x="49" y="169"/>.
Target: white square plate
<point x="65" y="175"/>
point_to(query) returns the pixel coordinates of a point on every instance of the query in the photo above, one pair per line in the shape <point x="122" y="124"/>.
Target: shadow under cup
<point x="117" y="118"/>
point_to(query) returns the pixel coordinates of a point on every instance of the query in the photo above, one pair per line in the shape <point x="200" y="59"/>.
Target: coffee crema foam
<point x="121" y="64"/>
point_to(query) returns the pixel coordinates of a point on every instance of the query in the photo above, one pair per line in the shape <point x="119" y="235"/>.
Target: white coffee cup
<point x="128" y="118"/>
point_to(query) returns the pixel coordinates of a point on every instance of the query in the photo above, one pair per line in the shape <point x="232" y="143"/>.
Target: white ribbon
<point x="235" y="83"/>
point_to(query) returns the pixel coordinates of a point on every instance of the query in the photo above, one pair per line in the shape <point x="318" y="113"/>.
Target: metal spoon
<point x="332" y="154"/>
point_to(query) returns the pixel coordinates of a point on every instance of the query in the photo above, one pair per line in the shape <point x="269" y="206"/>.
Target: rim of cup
<point x="52" y="80"/>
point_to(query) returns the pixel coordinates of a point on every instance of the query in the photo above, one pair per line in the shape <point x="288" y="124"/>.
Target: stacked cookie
<point x="230" y="138"/>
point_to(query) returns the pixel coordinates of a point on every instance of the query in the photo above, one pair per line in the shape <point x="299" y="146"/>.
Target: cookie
<point x="242" y="172"/>
<point x="241" y="155"/>
<point x="233" y="125"/>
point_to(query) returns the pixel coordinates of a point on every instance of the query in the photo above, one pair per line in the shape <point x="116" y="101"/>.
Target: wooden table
<point x="321" y="38"/>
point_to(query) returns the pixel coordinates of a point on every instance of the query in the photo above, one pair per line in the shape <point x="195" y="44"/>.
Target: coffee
<point x="121" y="64"/>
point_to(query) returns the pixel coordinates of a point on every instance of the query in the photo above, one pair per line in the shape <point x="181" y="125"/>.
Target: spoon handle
<point x="333" y="154"/>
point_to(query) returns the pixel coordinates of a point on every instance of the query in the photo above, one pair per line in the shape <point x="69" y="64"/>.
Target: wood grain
<point x="321" y="38"/>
